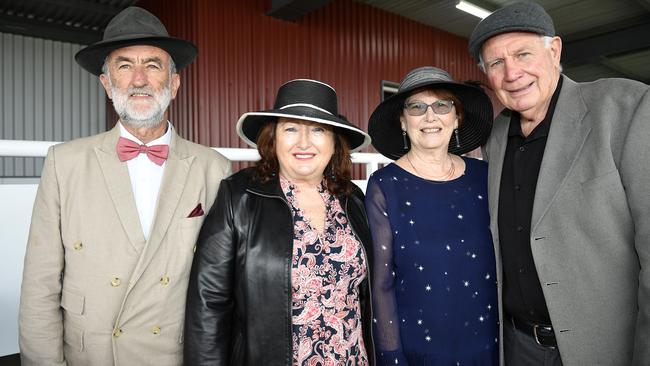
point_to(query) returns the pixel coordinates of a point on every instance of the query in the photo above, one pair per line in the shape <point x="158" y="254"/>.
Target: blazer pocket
<point x="73" y="337"/>
<point x="602" y="182"/>
<point x="72" y="302"/>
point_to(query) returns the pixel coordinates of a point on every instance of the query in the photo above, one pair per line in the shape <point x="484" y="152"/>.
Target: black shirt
<point x="522" y="293"/>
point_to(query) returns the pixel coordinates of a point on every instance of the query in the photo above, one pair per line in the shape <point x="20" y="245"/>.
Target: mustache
<point x="145" y="91"/>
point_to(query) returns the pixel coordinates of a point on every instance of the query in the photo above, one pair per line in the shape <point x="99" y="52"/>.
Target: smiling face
<point x="140" y="82"/>
<point x="303" y="149"/>
<point x="523" y="71"/>
<point x="429" y="131"/>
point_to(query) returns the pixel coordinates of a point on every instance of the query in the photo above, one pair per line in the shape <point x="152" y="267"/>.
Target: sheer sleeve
<point x="386" y="325"/>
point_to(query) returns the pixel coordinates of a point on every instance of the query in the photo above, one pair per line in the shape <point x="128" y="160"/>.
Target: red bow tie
<point x="127" y="150"/>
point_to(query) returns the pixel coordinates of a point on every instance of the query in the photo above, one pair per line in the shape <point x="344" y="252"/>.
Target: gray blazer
<point x="590" y="229"/>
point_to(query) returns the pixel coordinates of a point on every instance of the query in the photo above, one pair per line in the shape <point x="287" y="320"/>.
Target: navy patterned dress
<point x="434" y="280"/>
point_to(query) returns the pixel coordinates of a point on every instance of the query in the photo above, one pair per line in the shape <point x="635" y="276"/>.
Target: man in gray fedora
<point x="569" y="171"/>
<point x="117" y="215"/>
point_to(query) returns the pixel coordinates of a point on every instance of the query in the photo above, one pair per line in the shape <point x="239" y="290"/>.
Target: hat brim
<point x="385" y="129"/>
<point x="250" y="124"/>
<point x="92" y="57"/>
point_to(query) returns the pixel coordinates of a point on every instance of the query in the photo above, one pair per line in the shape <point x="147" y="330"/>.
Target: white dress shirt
<point x="146" y="177"/>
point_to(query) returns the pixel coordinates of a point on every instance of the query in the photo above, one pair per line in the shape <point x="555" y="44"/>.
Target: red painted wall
<point x="245" y="55"/>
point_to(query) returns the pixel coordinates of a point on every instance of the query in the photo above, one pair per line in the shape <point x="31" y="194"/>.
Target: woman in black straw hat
<point x="280" y="275"/>
<point x="434" y="291"/>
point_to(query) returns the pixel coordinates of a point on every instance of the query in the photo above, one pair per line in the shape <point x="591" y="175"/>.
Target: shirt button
<point x="519" y="228"/>
<point x="117" y="332"/>
<point x="115" y="281"/>
<point x="522" y="270"/>
<point x="155" y="330"/>
<point x="164" y="280"/>
<point x="521" y="148"/>
<point x="517" y="187"/>
<point x="78" y="245"/>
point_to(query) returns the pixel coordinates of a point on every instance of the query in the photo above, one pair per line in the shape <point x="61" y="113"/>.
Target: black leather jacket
<point x="239" y="297"/>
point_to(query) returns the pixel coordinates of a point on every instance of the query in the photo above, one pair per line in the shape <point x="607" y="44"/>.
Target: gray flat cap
<point x="517" y="17"/>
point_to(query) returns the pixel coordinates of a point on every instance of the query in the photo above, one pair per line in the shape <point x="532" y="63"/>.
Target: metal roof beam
<point x="47" y="30"/>
<point x="605" y="62"/>
<point x="84" y="6"/>
<point x="620" y="41"/>
<point x="293" y="10"/>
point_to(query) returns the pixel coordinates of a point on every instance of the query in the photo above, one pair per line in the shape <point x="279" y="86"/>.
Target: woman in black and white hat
<point x="434" y="294"/>
<point x="280" y="275"/>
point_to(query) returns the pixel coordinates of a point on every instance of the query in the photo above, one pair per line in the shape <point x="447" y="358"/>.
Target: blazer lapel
<point x="565" y="140"/>
<point x="171" y="188"/>
<point x="496" y="151"/>
<point x="116" y="176"/>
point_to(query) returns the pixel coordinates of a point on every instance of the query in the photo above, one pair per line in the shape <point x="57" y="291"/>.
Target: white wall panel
<point x="45" y="95"/>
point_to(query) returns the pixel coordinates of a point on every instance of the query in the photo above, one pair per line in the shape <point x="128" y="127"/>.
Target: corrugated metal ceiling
<point x="602" y="38"/>
<point x="76" y="21"/>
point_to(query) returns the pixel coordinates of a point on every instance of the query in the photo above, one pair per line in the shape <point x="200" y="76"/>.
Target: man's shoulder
<point x="613" y="87"/>
<point x="202" y="152"/>
<point x="78" y="146"/>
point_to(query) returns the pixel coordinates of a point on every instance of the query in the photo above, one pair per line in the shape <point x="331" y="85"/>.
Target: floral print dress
<point x="326" y="270"/>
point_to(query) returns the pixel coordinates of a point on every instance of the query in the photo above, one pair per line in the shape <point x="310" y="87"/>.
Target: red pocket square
<point x="197" y="211"/>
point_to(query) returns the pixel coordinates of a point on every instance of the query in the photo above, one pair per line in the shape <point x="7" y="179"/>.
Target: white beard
<point x="148" y="118"/>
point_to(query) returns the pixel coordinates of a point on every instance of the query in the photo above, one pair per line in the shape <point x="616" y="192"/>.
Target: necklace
<point x="445" y="177"/>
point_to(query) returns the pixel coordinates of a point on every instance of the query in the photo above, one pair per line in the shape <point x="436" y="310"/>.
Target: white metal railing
<point x="21" y="148"/>
<point x="15" y="214"/>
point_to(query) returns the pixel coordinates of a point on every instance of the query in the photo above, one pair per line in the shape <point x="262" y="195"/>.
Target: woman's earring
<point x="457" y="137"/>
<point x="332" y="174"/>
<point x="406" y="144"/>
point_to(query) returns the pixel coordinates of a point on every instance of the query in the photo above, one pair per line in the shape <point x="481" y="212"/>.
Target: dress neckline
<point x="436" y="182"/>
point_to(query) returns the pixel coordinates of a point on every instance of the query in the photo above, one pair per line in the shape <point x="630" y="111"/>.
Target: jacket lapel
<point x="496" y="150"/>
<point x="116" y="176"/>
<point x="175" y="176"/>
<point x="565" y="140"/>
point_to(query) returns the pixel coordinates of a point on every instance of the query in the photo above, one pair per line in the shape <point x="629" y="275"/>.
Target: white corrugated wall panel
<point x="45" y="95"/>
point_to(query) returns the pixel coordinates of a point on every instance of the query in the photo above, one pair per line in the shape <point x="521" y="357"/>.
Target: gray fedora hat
<point x="130" y="27"/>
<point x="384" y="125"/>
<point x="517" y="17"/>
<point x="307" y="100"/>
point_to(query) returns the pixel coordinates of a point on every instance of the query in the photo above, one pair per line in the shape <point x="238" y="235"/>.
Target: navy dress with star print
<point x="434" y="281"/>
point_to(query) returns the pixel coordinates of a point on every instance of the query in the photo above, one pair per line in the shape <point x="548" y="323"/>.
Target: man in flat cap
<point x="117" y="214"/>
<point x="568" y="188"/>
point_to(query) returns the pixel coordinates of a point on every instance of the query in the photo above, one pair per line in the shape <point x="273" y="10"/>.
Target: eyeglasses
<point x="420" y="108"/>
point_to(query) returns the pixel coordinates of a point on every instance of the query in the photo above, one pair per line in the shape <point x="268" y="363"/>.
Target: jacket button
<point x="78" y="245"/>
<point x="115" y="281"/>
<point x="164" y="280"/>
<point x="155" y="330"/>
<point x="117" y="332"/>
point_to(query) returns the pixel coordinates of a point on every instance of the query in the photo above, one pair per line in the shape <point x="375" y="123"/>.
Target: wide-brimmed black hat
<point x="308" y="100"/>
<point x="385" y="129"/>
<point x="130" y="27"/>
